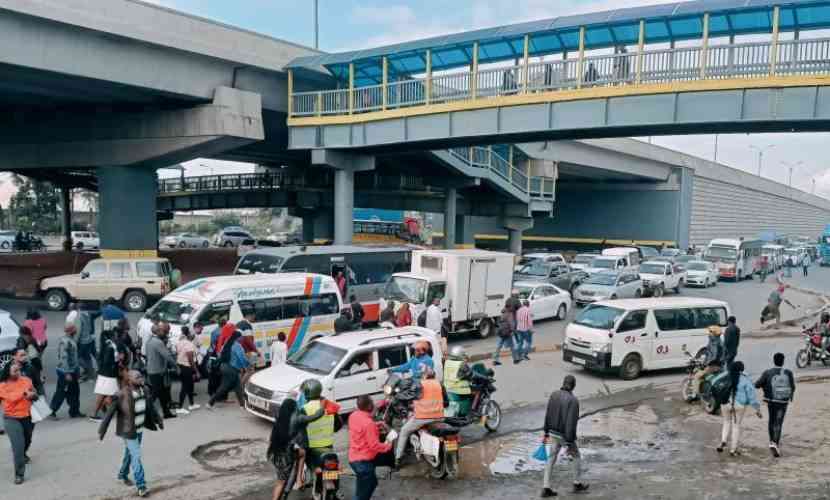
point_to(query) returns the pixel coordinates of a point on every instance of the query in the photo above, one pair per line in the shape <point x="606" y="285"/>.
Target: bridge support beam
<point x="66" y="219"/>
<point x="464" y="234"/>
<point x="345" y="166"/>
<point x="516" y="226"/>
<point x="127" y="218"/>
<point x="318" y="224"/>
<point x="450" y="214"/>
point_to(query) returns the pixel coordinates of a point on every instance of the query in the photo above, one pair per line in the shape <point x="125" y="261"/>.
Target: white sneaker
<point x="182" y="411"/>
<point x="194" y="407"/>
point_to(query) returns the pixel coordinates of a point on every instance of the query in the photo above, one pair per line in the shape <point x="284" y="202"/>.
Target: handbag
<point x="541" y="453"/>
<point x="40" y="409"/>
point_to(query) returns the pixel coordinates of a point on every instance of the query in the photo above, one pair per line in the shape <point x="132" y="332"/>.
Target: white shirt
<point x="73" y="318"/>
<point x="434" y="318"/>
<point x="145" y="331"/>
<point x="279" y="352"/>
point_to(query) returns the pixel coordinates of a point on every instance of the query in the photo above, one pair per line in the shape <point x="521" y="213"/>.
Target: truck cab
<point x="417" y="290"/>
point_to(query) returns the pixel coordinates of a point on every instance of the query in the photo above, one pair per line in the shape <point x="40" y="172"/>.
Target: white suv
<point x="347" y="365"/>
<point x="85" y="239"/>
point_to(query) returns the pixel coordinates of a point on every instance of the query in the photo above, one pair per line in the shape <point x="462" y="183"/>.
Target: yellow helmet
<point x="714" y="330"/>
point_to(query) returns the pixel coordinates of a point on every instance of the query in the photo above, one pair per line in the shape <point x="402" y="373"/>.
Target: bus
<point x="736" y="259"/>
<point x="367" y="268"/>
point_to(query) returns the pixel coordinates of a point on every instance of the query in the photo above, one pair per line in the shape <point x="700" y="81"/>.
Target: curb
<point x="507" y="354"/>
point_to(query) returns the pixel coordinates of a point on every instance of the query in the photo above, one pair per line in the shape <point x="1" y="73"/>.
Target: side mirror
<point x="84" y="275"/>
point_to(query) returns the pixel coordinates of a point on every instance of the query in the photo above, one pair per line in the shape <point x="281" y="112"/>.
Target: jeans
<point x="161" y="392"/>
<point x="524" y="343"/>
<point x="19" y="431"/>
<point x="732" y="424"/>
<point x="777" y="411"/>
<point x="69" y="390"/>
<point x="230" y="382"/>
<point x="557" y="444"/>
<point x="804" y="267"/>
<point x="505" y="342"/>
<point x="186" y="374"/>
<point x="132" y="457"/>
<point x="411" y="425"/>
<point x="86" y="353"/>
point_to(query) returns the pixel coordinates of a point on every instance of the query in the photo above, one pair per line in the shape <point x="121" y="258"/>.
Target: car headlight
<point x="601" y="348"/>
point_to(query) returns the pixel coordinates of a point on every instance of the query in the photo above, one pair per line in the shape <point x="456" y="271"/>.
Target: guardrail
<point x="705" y="62"/>
<point x="489" y="159"/>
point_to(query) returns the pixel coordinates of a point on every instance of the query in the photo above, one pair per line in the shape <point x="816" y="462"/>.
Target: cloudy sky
<point x="355" y="24"/>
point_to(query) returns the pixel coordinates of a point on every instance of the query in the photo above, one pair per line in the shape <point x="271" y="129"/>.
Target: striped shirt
<point x="524" y="321"/>
<point x="140" y="408"/>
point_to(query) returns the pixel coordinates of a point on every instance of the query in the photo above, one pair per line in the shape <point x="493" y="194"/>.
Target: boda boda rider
<point x="457" y="380"/>
<point x="715" y="355"/>
<point x="418" y="363"/>
<point x="320" y="432"/>
<point x="428" y="408"/>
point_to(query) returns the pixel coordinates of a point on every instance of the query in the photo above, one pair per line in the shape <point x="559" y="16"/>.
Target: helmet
<point x="458" y="352"/>
<point x="312" y="389"/>
<point x="714" y="330"/>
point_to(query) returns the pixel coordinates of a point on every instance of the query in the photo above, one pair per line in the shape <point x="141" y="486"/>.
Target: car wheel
<point x="205" y="244"/>
<point x="562" y="312"/>
<point x="677" y="288"/>
<point x="485" y="328"/>
<point x="638" y="293"/>
<point x="658" y="292"/>
<point x="79" y="245"/>
<point x="135" y="301"/>
<point x="182" y="244"/>
<point x="228" y="244"/>
<point x="56" y="300"/>
<point x="631" y="367"/>
<point x="613" y="297"/>
<point x="706" y="283"/>
<point x="5" y="245"/>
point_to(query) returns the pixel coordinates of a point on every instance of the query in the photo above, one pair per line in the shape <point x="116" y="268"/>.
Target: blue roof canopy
<point x="663" y="23"/>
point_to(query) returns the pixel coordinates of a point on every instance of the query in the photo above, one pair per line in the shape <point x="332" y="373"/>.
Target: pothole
<point x="231" y="454"/>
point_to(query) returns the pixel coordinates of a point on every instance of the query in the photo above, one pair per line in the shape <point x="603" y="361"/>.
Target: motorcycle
<point x="324" y="478"/>
<point x="687" y="387"/>
<point x="436" y="444"/>
<point x="812" y="350"/>
<point x="483" y="409"/>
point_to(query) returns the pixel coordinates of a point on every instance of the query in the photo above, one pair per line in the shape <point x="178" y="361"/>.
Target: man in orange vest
<point x="429" y="408"/>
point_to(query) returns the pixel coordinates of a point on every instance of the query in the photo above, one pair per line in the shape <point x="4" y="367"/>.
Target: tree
<point x="222" y="220"/>
<point x="35" y="205"/>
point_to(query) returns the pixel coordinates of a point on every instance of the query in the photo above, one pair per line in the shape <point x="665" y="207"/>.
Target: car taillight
<point x="331" y="465"/>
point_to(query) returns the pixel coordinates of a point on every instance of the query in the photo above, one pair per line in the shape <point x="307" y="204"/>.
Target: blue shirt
<point x="415" y="366"/>
<point x="238" y="358"/>
<point x="745" y="395"/>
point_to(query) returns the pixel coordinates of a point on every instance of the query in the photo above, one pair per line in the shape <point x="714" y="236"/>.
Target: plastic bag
<point x="541" y="453"/>
<point x="40" y="410"/>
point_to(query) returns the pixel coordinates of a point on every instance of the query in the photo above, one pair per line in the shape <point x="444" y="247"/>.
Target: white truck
<point x="659" y="276"/>
<point x="473" y="286"/>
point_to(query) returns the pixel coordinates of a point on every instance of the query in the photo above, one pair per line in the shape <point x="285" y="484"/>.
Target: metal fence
<point x="740" y="60"/>
<point x="488" y="159"/>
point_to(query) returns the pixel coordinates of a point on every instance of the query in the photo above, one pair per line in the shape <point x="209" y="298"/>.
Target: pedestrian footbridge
<point x="678" y="68"/>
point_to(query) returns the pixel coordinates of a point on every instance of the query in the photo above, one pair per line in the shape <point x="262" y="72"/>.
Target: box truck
<point x="472" y="285"/>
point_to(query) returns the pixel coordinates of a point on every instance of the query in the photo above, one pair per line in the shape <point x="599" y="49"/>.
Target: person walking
<point x="805" y="264"/>
<point x="133" y="411"/>
<point x="789" y="265"/>
<point x="524" y="331"/>
<point x="188" y="370"/>
<point x="109" y="361"/>
<point x="279" y="350"/>
<point x="366" y="451"/>
<point x="506" y="329"/>
<point x="731" y="340"/>
<point x="37" y="324"/>
<point x="764" y="268"/>
<point x="778" y="385"/>
<point x="435" y="319"/>
<point x="357" y="311"/>
<point x="27" y="342"/>
<point x="561" y="420"/>
<point x="232" y="363"/>
<point x="404" y="316"/>
<point x="16" y="396"/>
<point x="68" y="373"/>
<point x="742" y="395"/>
<point x="159" y="362"/>
<point x="86" y="343"/>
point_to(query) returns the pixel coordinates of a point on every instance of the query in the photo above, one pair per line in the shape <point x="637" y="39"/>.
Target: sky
<point x="356" y="24"/>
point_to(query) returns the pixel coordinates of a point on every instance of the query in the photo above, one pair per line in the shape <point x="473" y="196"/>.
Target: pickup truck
<point x="558" y="274"/>
<point x="659" y="276"/>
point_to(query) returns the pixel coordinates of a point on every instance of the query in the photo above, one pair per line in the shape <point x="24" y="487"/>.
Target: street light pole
<point x="761" y="154"/>
<point x="813" y="191"/>
<point x="716" y="148"/>
<point x="316" y="24"/>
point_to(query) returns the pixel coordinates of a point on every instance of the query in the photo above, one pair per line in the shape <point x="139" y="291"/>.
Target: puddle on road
<point x="231" y="454"/>
<point x="619" y="436"/>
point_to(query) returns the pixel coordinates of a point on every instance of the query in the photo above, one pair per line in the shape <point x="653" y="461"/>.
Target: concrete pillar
<point x="318" y="225"/>
<point x="464" y="234"/>
<point x="127" y="218"/>
<point x="343" y="206"/>
<point x="516" y="226"/>
<point x="66" y="219"/>
<point x="450" y="211"/>
<point x="514" y="241"/>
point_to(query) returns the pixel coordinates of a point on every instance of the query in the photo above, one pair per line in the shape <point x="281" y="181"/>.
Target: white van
<point x="631" y="255"/>
<point x="633" y="335"/>
<point x="303" y="306"/>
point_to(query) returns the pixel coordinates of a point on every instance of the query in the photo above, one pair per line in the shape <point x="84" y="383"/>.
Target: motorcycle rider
<point x="715" y="354"/>
<point x="824" y="330"/>
<point x="428" y="408"/>
<point x="320" y="431"/>
<point x="416" y="364"/>
<point x="457" y="375"/>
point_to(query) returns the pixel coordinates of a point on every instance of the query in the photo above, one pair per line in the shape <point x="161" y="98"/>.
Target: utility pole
<point x="761" y="155"/>
<point x="813" y="191"/>
<point x="716" y="148"/>
<point x="316" y="24"/>
<point x="792" y="166"/>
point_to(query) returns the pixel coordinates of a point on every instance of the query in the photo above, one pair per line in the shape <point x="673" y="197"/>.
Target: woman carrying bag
<point x="741" y="396"/>
<point x="16" y="395"/>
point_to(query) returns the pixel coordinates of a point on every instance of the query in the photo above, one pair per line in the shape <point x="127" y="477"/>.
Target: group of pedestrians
<point x="515" y="330"/>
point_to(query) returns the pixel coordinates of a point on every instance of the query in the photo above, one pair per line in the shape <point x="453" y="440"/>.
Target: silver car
<point x="186" y="240"/>
<point x="609" y="285"/>
<point x="231" y="237"/>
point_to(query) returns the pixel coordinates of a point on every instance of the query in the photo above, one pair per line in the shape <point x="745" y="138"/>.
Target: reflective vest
<point x="431" y="404"/>
<point x="451" y="381"/>
<point x="321" y="431"/>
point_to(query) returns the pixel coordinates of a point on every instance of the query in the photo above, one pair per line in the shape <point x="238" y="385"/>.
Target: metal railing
<point x="739" y="60"/>
<point x="488" y="159"/>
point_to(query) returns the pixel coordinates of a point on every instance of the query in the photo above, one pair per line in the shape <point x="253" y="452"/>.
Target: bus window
<point x="214" y="312"/>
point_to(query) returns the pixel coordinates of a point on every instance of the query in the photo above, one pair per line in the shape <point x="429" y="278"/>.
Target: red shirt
<point x="224" y="335"/>
<point x="404" y="318"/>
<point x="248" y="343"/>
<point x="364" y="438"/>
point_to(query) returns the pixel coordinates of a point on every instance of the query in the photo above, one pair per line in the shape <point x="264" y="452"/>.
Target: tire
<point x="562" y="312"/>
<point x="228" y="244"/>
<point x="631" y="367"/>
<point x="710" y="406"/>
<point x="802" y="359"/>
<point x="5" y="245"/>
<point x="573" y="288"/>
<point x="678" y="287"/>
<point x="79" y="245"/>
<point x="613" y="297"/>
<point x="205" y="244"/>
<point x="439" y="471"/>
<point x="492" y="411"/>
<point x="135" y="301"/>
<point x="638" y="293"/>
<point x="182" y="244"/>
<point x="453" y="458"/>
<point x="485" y="328"/>
<point x="658" y="292"/>
<point x="56" y="300"/>
<point x="687" y="389"/>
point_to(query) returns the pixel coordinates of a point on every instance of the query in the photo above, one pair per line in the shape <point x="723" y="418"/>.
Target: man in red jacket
<point x="365" y="449"/>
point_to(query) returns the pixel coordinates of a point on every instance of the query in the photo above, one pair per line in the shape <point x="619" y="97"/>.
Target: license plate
<point x="451" y="445"/>
<point x="331" y="475"/>
<point x="578" y="361"/>
<point x="258" y="402"/>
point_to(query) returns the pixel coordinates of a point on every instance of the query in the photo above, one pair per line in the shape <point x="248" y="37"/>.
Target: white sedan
<point x="546" y="300"/>
<point x="701" y="273"/>
<point x="186" y="240"/>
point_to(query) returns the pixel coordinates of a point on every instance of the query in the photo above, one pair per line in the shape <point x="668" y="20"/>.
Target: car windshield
<point x="407" y="289"/>
<point x="317" y="357"/>
<point x="536" y="268"/>
<point x="652" y="268"/>
<point x="523" y="291"/>
<point x="604" y="263"/>
<point x="527" y="260"/>
<point x="583" y="259"/>
<point x="596" y="316"/>
<point x="726" y="253"/>
<point x="177" y="313"/>
<point x="697" y="266"/>
<point x="258" y="263"/>
<point x="602" y="279"/>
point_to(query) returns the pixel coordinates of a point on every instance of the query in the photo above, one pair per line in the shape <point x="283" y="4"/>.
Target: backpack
<point x="722" y="387"/>
<point x="780" y="388"/>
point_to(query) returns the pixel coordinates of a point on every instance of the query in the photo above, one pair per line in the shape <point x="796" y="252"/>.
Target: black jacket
<point x="731" y="340"/>
<point x="765" y="383"/>
<point x="343" y="324"/>
<point x="562" y="416"/>
<point x="123" y="409"/>
<point x="357" y="313"/>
